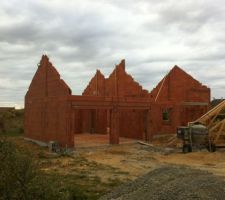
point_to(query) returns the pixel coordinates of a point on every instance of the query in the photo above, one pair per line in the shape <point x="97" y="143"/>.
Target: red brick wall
<point x="49" y="114"/>
<point x="94" y="121"/>
<point x="132" y="124"/>
<point x="47" y="111"/>
<point x="179" y="86"/>
<point x="160" y="126"/>
<point x="192" y="113"/>
<point x="96" y="86"/>
<point x="121" y="84"/>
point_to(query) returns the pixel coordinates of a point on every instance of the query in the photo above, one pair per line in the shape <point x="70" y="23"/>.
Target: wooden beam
<point x="215" y="111"/>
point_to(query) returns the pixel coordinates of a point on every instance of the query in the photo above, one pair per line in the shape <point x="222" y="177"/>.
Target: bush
<point x="20" y="177"/>
<point x="11" y="122"/>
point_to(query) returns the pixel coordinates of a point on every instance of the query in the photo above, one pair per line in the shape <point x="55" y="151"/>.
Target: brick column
<point x="108" y="126"/>
<point x="177" y="111"/>
<point x="114" y="126"/>
<point x="73" y="126"/>
<point x="70" y="125"/>
<point x="149" y="135"/>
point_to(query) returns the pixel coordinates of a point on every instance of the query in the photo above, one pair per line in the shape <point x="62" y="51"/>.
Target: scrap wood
<point x="172" y="141"/>
<point x="144" y="143"/>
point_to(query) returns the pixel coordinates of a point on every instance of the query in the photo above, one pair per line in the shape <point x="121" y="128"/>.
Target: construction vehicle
<point x="206" y="132"/>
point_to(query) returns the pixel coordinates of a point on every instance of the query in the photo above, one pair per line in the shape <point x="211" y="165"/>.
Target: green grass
<point x="81" y="185"/>
<point x="10" y="134"/>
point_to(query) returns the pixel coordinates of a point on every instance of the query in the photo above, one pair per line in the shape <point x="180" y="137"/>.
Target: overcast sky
<point x="82" y="35"/>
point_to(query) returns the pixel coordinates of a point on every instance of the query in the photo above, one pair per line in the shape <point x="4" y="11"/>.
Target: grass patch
<point x="81" y="186"/>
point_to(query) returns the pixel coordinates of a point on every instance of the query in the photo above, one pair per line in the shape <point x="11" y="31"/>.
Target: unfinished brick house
<point x="117" y="106"/>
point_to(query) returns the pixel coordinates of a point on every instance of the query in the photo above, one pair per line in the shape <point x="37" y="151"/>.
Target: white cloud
<point x="83" y="35"/>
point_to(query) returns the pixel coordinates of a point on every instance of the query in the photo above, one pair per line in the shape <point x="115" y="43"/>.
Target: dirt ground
<point x="100" y="168"/>
<point x="133" y="159"/>
<point x="137" y="159"/>
<point x="93" y="140"/>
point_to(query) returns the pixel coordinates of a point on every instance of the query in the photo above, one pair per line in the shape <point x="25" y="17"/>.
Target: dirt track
<point x="172" y="182"/>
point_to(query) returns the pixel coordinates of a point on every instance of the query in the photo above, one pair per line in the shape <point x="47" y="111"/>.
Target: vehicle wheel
<point x="186" y="148"/>
<point x="189" y="148"/>
<point x="211" y="148"/>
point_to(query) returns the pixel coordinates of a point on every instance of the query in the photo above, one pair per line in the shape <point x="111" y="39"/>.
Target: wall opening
<point x="166" y="115"/>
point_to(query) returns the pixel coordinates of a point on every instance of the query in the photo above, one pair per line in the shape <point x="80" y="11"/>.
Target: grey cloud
<point x="19" y="32"/>
<point x="190" y="16"/>
<point x="80" y="36"/>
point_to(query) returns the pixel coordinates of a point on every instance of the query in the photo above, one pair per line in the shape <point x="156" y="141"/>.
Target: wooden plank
<point x="144" y="143"/>
<point x="203" y="119"/>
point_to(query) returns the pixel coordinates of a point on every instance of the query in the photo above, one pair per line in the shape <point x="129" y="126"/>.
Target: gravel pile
<point x="170" y="183"/>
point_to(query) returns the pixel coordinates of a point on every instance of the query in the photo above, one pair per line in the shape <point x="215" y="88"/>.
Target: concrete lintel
<point x="195" y="103"/>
